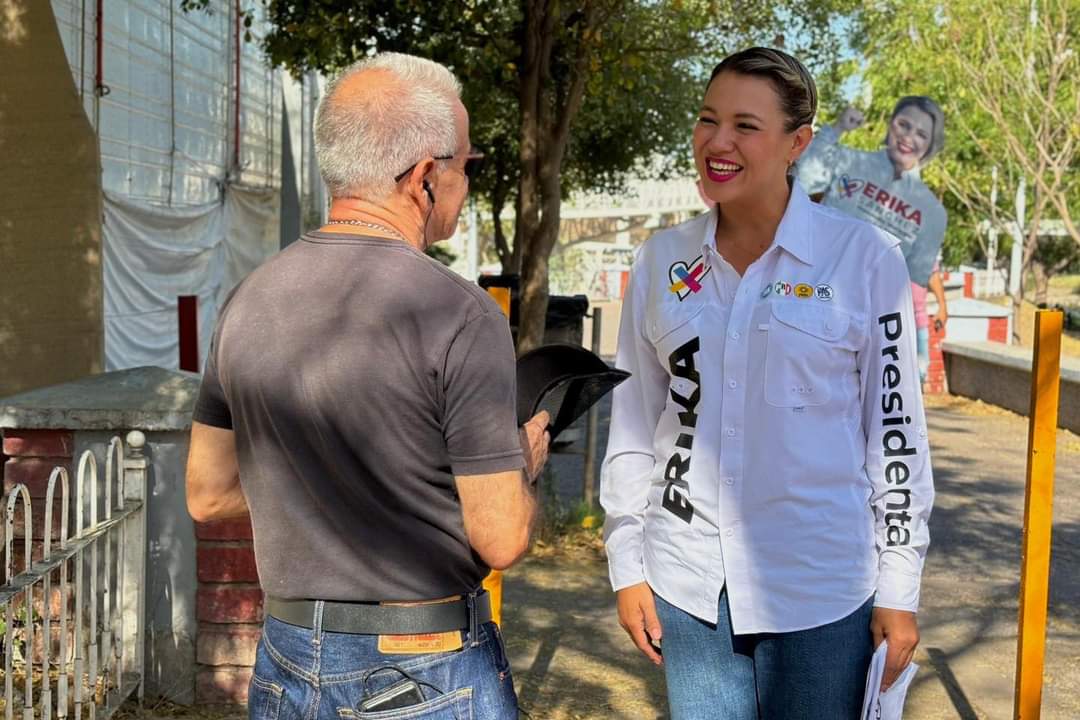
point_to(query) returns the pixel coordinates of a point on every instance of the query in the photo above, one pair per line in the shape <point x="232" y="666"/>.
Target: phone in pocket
<point x="403" y="694"/>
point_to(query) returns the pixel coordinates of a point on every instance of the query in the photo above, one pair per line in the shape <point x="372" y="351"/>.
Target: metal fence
<point x="73" y="615"/>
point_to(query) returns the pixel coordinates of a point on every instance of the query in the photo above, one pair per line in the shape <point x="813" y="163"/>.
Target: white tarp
<point x="154" y="254"/>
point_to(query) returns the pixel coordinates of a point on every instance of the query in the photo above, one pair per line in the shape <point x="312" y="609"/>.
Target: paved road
<point x="572" y="660"/>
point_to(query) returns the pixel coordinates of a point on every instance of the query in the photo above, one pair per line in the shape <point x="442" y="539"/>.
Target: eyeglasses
<point x="474" y="162"/>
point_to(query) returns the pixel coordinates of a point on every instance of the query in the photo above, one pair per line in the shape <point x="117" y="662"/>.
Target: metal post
<point x="594" y="422"/>
<point x="1038" y="514"/>
<point x="133" y="584"/>
<point x="493" y="582"/>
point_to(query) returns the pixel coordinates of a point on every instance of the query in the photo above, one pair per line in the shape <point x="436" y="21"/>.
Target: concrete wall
<point x="50" y="210"/>
<point x="170" y="563"/>
<point x="1001" y="375"/>
<point x="54" y="426"/>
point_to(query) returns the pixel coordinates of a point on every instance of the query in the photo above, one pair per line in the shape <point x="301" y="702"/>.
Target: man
<point x="359" y="400"/>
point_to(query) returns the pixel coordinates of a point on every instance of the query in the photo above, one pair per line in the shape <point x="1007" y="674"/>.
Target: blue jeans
<point x="805" y="675"/>
<point x="922" y="344"/>
<point x="315" y="675"/>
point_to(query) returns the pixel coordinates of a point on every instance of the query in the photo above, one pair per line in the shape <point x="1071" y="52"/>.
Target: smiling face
<point x="910" y="134"/>
<point x="741" y="147"/>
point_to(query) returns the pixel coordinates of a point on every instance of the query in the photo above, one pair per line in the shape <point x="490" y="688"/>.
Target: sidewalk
<point x="573" y="661"/>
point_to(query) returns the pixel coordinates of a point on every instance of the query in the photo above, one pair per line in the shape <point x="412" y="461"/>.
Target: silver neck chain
<point x="373" y="226"/>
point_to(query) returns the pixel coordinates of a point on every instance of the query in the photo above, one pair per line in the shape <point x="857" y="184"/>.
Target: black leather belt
<point x="376" y="619"/>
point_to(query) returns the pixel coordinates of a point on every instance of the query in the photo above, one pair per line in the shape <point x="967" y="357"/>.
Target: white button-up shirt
<point x="772" y="435"/>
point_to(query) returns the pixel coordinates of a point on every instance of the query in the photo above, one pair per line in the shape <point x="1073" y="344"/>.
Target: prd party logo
<point x="849" y="186"/>
<point x="686" y="277"/>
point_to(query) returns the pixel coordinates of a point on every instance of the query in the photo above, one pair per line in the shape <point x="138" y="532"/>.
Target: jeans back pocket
<point x="264" y="699"/>
<point x="455" y="705"/>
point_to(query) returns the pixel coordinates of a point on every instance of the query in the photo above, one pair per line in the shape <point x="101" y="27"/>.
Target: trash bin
<point x="565" y="319"/>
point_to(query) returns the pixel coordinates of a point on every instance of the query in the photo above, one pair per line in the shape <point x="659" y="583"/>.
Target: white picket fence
<point x="77" y="656"/>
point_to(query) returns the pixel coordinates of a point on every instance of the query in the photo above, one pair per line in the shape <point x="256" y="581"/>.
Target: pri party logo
<point x="686" y="278"/>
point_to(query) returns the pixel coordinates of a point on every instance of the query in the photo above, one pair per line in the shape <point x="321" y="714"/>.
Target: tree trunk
<point x="1031" y="243"/>
<point x="498" y="202"/>
<point x="534" y="267"/>
<point x="548" y="111"/>
<point x="1042" y="281"/>
<point x="530" y="92"/>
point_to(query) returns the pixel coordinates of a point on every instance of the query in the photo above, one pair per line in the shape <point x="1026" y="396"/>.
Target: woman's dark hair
<point x="791" y="80"/>
<point x="928" y="106"/>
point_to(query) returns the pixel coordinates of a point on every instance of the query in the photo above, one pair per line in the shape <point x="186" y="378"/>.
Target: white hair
<point x="362" y="145"/>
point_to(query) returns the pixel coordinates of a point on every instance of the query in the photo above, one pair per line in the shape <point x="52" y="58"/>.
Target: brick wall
<point x="935" y="375"/>
<point x="999" y="330"/>
<point x="229" y="610"/>
<point x="31" y="456"/>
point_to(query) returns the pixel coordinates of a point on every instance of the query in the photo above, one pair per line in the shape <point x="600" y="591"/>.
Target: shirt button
<point x="731" y="432"/>
<point x="729" y="533"/>
<point x="729" y="481"/>
<point x="732" y="384"/>
<point x="735" y="335"/>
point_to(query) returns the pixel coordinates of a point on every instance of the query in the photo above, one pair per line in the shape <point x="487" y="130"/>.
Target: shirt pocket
<point x="804" y="354"/>
<point x="664" y="320"/>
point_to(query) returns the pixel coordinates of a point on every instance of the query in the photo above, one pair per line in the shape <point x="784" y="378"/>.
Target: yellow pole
<point x="493" y="582"/>
<point x="1038" y="514"/>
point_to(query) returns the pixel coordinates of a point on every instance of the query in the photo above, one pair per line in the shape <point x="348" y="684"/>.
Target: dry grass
<point x="166" y="709"/>
<point x="1070" y="341"/>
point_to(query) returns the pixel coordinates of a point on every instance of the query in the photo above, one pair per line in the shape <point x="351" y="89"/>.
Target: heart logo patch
<point x="686" y="278"/>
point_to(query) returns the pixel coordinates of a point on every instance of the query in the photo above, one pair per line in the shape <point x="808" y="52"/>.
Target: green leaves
<point x="1010" y="99"/>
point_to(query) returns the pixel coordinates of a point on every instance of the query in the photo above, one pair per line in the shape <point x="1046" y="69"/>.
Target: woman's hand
<point x="941" y="318"/>
<point x="850" y="119"/>
<point x="637" y="615"/>
<point x="901" y="629"/>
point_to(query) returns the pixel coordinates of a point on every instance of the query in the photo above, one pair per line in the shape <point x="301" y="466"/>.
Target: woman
<point x="884" y="188"/>
<point x="767" y="480"/>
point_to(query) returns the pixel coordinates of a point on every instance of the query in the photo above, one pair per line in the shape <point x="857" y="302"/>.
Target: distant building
<point x="155" y="154"/>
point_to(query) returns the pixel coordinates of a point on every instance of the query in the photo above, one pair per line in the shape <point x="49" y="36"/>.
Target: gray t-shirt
<point x="360" y="376"/>
<point x="864" y="184"/>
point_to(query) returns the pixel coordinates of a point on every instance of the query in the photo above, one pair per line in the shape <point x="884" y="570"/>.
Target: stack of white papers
<point x="888" y="705"/>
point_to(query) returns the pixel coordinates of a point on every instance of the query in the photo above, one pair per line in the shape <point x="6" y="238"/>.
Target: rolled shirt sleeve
<point x="212" y="406"/>
<point x="897" y="447"/>
<point x="479" y="391"/>
<point x="628" y="463"/>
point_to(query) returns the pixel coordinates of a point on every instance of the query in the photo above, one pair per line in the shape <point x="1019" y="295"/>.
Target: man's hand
<point x="850" y="119"/>
<point x="901" y="629"/>
<point x="637" y="615"/>
<point x="535" y="443"/>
